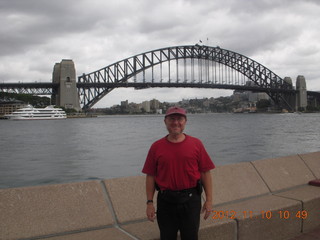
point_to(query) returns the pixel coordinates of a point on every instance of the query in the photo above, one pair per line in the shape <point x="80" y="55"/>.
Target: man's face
<point x="175" y="123"/>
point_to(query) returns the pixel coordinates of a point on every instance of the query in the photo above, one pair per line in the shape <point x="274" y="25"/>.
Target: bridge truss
<point x="191" y="66"/>
<point x="184" y="66"/>
<point x="34" y="88"/>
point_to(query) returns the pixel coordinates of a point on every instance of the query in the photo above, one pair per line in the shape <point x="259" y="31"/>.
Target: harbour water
<point x="71" y="150"/>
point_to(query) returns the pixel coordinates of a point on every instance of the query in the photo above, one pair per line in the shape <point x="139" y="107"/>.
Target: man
<point x="178" y="165"/>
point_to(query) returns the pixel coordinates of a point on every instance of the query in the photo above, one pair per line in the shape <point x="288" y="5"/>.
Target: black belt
<point x="177" y="196"/>
<point x="188" y="190"/>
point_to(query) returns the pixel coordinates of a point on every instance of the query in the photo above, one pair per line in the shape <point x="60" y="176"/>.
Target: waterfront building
<point x="11" y="106"/>
<point x="146" y="106"/>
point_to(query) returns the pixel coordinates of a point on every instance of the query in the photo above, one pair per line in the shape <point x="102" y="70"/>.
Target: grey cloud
<point x="34" y="22"/>
<point x="37" y="33"/>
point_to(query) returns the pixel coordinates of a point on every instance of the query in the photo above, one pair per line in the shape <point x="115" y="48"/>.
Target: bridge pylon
<point x="298" y="100"/>
<point x="290" y="98"/>
<point x="66" y="95"/>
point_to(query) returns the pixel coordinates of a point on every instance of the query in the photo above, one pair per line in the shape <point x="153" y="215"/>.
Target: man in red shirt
<point x="178" y="166"/>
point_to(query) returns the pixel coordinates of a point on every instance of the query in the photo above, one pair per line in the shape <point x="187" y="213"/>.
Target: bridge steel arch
<point x="94" y="86"/>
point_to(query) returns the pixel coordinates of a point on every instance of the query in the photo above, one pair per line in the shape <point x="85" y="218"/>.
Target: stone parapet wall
<point x="263" y="199"/>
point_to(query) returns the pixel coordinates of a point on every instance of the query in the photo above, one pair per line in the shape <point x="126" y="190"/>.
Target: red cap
<point x="176" y="110"/>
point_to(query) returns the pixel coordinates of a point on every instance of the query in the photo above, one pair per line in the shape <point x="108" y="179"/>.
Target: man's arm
<point x="150" y="189"/>
<point x="207" y="185"/>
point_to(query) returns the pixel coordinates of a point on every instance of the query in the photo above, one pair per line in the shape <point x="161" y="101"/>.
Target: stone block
<point x="314" y="234"/>
<point x="45" y="210"/>
<point x="236" y="181"/>
<point x="128" y="197"/>
<point x="102" y="234"/>
<point x="284" y="172"/>
<point x="313" y="162"/>
<point x="260" y="218"/>
<point x="143" y="230"/>
<point x="310" y="196"/>
<point x="222" y="229"/>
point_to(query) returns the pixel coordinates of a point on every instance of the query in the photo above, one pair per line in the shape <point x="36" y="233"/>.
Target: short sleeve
<point x="205" y="162"/>
<point x="150" y="163"/>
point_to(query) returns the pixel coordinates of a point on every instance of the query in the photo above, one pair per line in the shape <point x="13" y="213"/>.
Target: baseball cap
<point x="176" y="110"/>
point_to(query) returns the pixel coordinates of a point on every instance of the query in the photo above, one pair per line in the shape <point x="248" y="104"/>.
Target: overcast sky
<point x="283" y="35"/>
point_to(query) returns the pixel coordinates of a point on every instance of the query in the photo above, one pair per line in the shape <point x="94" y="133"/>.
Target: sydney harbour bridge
<point x="192" y="66"/>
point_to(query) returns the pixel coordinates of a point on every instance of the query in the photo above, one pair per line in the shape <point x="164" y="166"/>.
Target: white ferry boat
<point x="31" y="113"/>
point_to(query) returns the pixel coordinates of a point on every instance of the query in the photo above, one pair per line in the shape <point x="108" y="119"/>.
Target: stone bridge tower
<point x="299" y="100"/>
<point x="66" y="95"/>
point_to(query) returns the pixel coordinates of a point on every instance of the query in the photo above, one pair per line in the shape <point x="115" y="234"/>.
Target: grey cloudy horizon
<point x="35" y="34"/>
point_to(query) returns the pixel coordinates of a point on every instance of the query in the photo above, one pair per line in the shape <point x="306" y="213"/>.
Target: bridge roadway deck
<point x="143" y="85"/>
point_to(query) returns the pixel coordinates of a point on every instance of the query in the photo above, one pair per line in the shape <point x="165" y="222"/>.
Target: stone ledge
<point x="283" y="173"/>
<point x="310" y="198"/>
<point x="259" y="218"/>
<point x="102" y="234"/>
<point x="236" y="178"/>
<point x="115" y="208"/>
<point x="44" y="210"/>
<point x="145" y="230"/>
<point x="225" y="229"/>
<point x="128" y="197"/>
<point x="312" y="160"/>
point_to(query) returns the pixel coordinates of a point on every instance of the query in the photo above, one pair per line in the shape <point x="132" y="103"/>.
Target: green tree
<point x="263" y="104"/>
<point x="35" y="101"/>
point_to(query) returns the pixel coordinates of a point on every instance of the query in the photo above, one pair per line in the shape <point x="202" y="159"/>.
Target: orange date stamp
<point x="282" y="214"/>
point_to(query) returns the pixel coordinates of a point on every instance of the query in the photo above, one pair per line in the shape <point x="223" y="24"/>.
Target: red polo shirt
<point x="177" y="166"/>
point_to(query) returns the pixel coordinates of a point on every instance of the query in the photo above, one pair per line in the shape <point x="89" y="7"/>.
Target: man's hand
<point x="151" y="213"/>
<point x="150" y="188"/>
<point x="207" y="209"/>
<point x="207" y="186"/>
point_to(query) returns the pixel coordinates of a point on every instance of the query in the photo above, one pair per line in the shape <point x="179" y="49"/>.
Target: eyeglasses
<point x="173" y="119"/>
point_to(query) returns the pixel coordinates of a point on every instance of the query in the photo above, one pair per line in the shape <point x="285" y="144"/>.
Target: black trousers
<point x="184" y="217"/>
